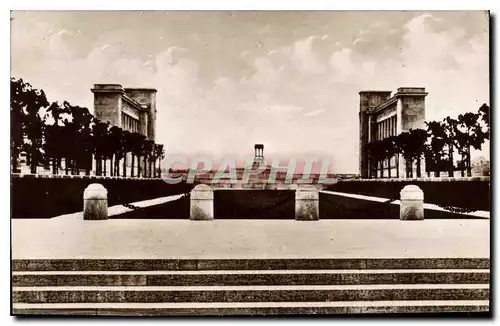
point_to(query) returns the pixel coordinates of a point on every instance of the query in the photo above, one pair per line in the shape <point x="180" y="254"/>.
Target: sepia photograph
<point x="250" y="163"/>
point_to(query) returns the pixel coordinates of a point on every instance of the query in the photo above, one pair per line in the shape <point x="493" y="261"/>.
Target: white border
<point x="184" y="5"/>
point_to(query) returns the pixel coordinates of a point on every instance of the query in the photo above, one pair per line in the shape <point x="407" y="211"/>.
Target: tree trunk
<point x="88" y="161"/>
<point x="437" y="171"/>
<point x="99" y="164"/>
<point x="105" y="166"/>
<point x="111" y="166"/>
<point x="139" y="166"/>
<point x="145" y="173"/>
<point x="469" y="167"/>
<point x="397" y="166"/>
<point x="132" y="166"/>
<point x="96" y="159"/>
<point x="125" y="165"/>
<point x="462" y="164"/>
<point x="450" y="160"/>
<point x="15" y="157"/>
<point x="389" y="168"/>
<point x="33" y="162"/>
<point x="419" y="172"/>
<point x="159" y="167"/>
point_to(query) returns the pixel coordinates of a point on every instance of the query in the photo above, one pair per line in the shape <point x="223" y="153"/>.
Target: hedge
<point x="254" y="204"/>
<point x="33" y="196"/>
<point x="467" y="193"/>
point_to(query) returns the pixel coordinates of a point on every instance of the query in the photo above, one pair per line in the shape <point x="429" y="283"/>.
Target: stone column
<point x="202" y="203"/>
<point x="95" y="202"/>
<point x="412" y="203"/>
<point x="307" y="203"/>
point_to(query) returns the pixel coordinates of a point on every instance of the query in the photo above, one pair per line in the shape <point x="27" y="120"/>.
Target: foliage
<point x="437" y="144"/>
<point x="56" y="131"/>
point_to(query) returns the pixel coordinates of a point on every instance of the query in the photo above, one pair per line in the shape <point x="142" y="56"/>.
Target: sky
<point x="287" y="79"/>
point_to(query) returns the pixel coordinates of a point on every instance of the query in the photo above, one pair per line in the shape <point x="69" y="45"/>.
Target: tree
<point x="99" y="137"/>
<point x="389" y="150"/>
<point x="126" y="146"/>
<point x="412" y="147"/>
<point x="16" y="121"/>
<point x="450" y="126"/>
<point x="484" y="112"/>
<point x="437" y="133"/>
<point x="54" y="137"/>
<point x="115" y="148"/>
<point x="419" y="137"/>
<point x="136" y="147"/>
<point x="160" y="155"/>
<point x="147" y="147"/>
<point x="82" y="151"/>
<point x="26" y="103"/>
<point x="71" y="132"/>
<point x="469" y="134"/>
<point x="375" y="155"/>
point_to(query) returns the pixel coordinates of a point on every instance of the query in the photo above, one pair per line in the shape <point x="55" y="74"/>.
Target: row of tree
<point x="49" y="132"/>
<point x="437" y="144"/>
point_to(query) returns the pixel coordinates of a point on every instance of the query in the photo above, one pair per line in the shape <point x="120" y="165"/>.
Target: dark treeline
<point x="49" y="132"/>
<point x="437" y="144"/>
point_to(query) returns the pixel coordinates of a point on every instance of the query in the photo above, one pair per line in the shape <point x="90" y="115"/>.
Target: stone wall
<point x="413" y="113"/>
<point x="367" y="101"/>
<point x="147" y="97"/>
<point x="130" y="110"/>
<point x="107" y="107"/>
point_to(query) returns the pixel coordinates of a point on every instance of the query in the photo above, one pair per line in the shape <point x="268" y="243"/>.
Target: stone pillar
<point x="412" y="203"/>
<point x="95" y="202"/>
<point x="202" y="203"/>
<point x="306" y="203"/>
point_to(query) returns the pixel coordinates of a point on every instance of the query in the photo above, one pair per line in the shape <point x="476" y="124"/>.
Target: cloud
<point x="314" y="113"/>
<point x="304" y="58"/>
<point x="300" y="77"/>
<point x="58" y="44"/>
<point x="284" y="108"/>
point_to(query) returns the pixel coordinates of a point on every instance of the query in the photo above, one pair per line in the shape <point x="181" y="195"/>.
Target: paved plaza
<point x="72" y="237"/>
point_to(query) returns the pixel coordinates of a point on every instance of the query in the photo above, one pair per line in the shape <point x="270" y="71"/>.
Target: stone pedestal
<point x="202" y="203"/>
<point x="307" y="203"/>
<point x="95" y="202"/>
<point x="412" y="203"/>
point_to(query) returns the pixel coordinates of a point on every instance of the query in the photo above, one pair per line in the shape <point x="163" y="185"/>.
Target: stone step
<point x="251" y="277"/>
<point x="245" y="264"/>
<point x="282" y="293"/>
<point x="251" y="308"/>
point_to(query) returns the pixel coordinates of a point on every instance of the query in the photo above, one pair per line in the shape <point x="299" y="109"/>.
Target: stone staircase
<point x="249" y="286"/>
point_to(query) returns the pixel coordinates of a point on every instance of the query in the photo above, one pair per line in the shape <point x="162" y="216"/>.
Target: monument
<point x="132" y="109"/>
<point x="382" y="115"/>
